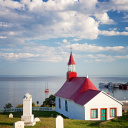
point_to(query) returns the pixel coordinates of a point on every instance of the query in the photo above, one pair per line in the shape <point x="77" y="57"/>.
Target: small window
<point x="94" y="113"/>
<point x="112" y="112"/>
<point x="59" y="103"/>
<point x="66" y="106"/>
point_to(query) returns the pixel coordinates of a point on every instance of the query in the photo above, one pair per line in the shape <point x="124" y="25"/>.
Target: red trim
<point x="106" y="113"/>
<point x="110" y="112"/>
<point x="71" y="75"/>
<point x="91" y="113"/>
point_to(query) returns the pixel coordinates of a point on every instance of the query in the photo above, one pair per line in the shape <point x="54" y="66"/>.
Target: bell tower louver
<point x="71" y="68"/>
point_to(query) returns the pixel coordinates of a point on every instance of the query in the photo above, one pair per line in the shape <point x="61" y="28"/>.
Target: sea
<point x="13" y="88"/>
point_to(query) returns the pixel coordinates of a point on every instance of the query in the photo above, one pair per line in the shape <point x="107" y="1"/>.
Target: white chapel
<point x="78" y="98"/>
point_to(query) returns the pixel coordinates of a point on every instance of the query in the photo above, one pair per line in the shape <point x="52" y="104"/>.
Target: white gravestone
<point x="37" y="119"/>
<point x="27" y="116"/>
<point x="18" y="124"/>
<point x="59" y="122"/>
<point x="10" y="115"/>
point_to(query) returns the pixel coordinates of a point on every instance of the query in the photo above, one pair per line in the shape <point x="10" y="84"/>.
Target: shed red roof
<point x="79" y="89"/>
<point x="71" y="60"/>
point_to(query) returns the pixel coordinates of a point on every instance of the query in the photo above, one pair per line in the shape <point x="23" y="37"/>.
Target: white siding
<point x="102" y="101"/>
<point x="75" y="111"/>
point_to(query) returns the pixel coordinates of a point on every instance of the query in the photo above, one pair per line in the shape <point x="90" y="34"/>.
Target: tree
<point x="33" y="104"/>
<point x="49" y="102"/>
<point x="37" y="102"/>
<point x="19" y="106"/>
<point x="9" y="105"/>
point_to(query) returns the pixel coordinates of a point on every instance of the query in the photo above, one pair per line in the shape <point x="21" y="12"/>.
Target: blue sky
<point x="36" y="36"/>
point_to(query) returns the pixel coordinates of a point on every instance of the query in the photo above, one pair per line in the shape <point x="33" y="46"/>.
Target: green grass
<point x="121" y="122"/>
<point x="49" y="122"/>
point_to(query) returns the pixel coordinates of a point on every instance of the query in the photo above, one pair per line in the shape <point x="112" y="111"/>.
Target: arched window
<point x="59" y="103"/>
<point x="66" y="106"/>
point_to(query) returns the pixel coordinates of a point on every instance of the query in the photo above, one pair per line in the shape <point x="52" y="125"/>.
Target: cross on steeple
<point x="71" y="48"/>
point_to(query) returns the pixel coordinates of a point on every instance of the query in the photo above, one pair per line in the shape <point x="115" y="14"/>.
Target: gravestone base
<point x="28" y="120"/>
<point x="29" y="123"/>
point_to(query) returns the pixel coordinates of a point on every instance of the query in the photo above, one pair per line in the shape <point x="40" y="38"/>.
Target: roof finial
<point x="71" y="48"/>
<point x="87" y="76"/>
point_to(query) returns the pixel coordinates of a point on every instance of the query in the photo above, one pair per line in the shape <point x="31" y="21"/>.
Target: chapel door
<point x="103" y="114"/>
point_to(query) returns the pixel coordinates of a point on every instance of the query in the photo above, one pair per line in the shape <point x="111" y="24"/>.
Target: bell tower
<point x="71" y="68"/>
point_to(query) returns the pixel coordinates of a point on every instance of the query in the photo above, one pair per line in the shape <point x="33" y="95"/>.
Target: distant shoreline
<point x="62" y="76"/>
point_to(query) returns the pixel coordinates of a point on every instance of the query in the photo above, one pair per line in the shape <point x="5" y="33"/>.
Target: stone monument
<point x="37" y="119"/>
<point x="10" y="115"/>
<point x="27" y="116"/>
<point x="18" y="124"/>
<point x="59" y="122"/>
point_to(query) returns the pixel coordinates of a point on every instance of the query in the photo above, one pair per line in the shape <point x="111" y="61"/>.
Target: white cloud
<point x="104" y="18"/>
<point x="33" y="52"/>
<point x="4" y="24"/>
<point x="100" y="58"/>
<point x="37" y="52"/>
<point x="122" y="57"/>
<point x="93" y="48"/>
<point x="112" y="33"/>
<point x="89" y="3"/>
<point x="76" y="39"/>
<point x="113" y="29"/>
<point x="58" y="18"/>
<point x="14" y="56"/>
<point x="119" y="4"/>
<point x="126" y="28"/>
<point x="3" y="37"/>
<point x="104" y="58"/>
<point x="91" y="56"/>
<point x="30" y="20"/>
<point x="10" y="4"/>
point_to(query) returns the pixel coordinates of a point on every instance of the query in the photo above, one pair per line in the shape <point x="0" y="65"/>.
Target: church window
<point x="94" y="113"/>
<point x="66" y="106"/>
<point x="112" y="112"/>
<point x="59" y="103"/>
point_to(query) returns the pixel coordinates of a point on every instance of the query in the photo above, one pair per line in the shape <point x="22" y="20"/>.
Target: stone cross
<point x="10" y="115"/>
<point x="59" y="122"/>
<point x="18" y="124"/>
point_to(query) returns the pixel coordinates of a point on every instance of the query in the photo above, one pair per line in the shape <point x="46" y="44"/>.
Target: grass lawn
<point x="49" y="122"/>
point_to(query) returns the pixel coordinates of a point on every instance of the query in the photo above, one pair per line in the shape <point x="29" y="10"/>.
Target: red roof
<point x="87" y="85"/>
<point x="79" y="89"/>
<point x="71" y="60"/>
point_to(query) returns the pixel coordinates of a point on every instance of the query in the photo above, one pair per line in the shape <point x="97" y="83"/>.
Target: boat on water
<point x="102" y="85"/>
<point x="111" y="85"/>
<point x="46" y="88"/>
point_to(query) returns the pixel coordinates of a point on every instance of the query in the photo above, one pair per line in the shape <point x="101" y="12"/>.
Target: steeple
<point x="71" y="60"/>
<point x="71" y="64"/>
<point x="71" y="68"/>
